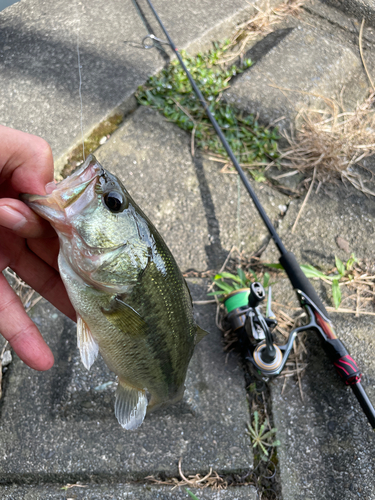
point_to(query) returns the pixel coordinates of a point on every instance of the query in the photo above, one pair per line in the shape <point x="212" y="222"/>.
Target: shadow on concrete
<point x="261" y="49"/>
<point x="66" y="346"/>
<point x="216" y="254"/>
<point x="342" y="428"/>
<point x="38" y="57"/>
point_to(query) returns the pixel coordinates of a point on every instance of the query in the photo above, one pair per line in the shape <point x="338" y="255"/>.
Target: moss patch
<point x="104" y="129"/>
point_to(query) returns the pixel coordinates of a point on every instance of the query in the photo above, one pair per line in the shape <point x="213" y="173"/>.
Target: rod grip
<point x="299" y="281"/>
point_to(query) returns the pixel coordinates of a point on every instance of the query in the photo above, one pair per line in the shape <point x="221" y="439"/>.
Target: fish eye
<point x="114" y="201"/>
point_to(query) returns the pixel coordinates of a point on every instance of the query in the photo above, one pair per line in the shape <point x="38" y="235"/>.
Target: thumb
<point x="18" y="217"/>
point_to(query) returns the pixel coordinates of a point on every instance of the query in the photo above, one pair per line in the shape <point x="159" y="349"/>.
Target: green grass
<point x="261" y="437"/>
<point x="343" y="271"/>
<point x="171" y="94"/>
<point x="236" y="282"/>
<point x="191" y="494"/>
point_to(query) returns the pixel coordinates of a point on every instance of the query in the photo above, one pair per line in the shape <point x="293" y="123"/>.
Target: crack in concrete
<point x="344" y="29"/>
<point x="104" y="478"/>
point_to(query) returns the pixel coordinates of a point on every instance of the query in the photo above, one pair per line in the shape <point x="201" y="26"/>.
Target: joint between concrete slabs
<point x="96" y="477"/>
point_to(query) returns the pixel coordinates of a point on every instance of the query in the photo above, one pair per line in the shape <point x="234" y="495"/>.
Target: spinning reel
<point x="254" y="331"/>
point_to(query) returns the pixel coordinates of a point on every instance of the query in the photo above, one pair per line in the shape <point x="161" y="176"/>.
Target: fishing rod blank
<point x="345" y="365"/>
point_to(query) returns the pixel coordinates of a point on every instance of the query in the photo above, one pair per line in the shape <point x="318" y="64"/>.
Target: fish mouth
<point x="67" y="197"/>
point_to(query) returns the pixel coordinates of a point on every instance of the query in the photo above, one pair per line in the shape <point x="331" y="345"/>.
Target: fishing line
<point x="239" y="216"/>
<point x="80" y="81"/>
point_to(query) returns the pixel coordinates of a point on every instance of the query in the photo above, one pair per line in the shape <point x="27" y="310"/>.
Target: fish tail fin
<point x="130" y="406"/>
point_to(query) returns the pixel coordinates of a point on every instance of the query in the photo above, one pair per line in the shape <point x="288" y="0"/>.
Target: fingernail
<point x="11" y="219"/>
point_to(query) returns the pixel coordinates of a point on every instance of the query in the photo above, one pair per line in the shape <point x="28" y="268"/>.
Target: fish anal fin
<point x="87" y="345"/>
<point x="130" y="406"/>
<point x="200" y="334"/>
<point x="124" y="317"/>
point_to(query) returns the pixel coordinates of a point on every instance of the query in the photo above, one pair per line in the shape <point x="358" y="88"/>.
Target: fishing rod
<point x="267" y="358"/>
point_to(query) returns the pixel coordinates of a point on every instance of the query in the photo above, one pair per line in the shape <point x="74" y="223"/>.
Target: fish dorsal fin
<point x="87" y="346"/>
<point x="130" y="406"/>
<point x="124" y="317"/>
<point x="200" y="334"/>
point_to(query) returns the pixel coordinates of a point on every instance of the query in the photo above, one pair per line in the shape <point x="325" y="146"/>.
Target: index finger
<point x="26" y="160"/>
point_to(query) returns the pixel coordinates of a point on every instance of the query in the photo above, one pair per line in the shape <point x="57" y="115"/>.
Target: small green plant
<point x="190" y="493"/>
<point x="261" y="437"/>
<point x="170" y="93"/>
<point x="236" y="281"/>
<point x="343" y="270"/>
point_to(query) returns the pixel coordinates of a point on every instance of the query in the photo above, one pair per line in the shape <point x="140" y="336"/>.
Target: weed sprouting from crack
<point x="352" y="283"/>
<point x="170" y="93"/>
<point x="262" y="436"/>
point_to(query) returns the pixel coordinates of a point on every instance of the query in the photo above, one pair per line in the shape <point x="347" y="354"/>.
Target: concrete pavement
<point x="59" y="427"/>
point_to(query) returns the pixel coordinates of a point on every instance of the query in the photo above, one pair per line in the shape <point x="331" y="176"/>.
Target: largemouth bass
<point x="132" y="302"/>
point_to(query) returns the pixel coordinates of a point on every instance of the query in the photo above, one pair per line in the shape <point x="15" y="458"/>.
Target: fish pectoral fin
<point x="200" y="334"/>
<point x="88" y="347"/>
<point x="130" y="406"/>
<point x="124" y="317"/>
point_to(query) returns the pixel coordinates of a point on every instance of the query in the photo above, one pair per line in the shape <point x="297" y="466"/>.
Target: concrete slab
<point x="335" y="211"/>
<point x="199" y="211"/>
<point x="121" y="492"/>
<point x="39" y="79"/>
<point x="304" y="67"/>
<point x="327" y="445"/>
<point x="326" y="442"/>
<point x="358" y="8"/>
<point x="59" y="426"/>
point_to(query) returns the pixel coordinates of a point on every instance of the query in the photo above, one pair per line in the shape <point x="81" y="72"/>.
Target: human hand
<point x="28" y="244"/>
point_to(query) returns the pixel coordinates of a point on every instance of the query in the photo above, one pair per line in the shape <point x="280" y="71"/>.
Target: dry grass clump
<point x="210" y="480"/>
<point x="27" y="295"/>
<point x="330" y="145"/>
<point x="28" y="298"/>
<point x="262" y="24"/>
